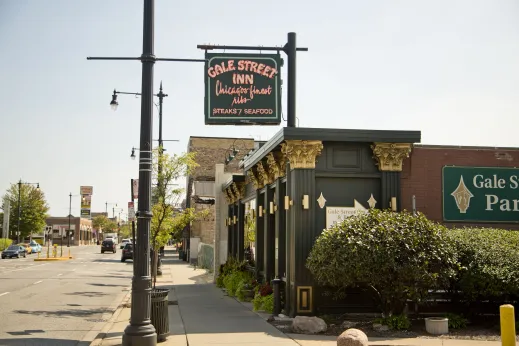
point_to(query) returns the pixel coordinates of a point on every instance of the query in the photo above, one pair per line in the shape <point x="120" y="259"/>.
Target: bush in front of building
<point x="398" y="256"/>
<point x="489" y="260"/>
<point x="4" y="243"/>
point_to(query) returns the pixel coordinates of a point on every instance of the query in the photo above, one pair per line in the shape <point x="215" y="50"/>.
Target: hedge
<point x="4" y="243"/>
<point x="489" y="260"/>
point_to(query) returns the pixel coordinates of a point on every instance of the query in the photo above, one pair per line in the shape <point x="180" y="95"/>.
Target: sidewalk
<point x="201" y="314"/>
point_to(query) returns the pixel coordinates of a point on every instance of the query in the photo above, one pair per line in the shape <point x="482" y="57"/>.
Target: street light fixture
<point x="20" y="183"/>
<point x="114" y="102"/>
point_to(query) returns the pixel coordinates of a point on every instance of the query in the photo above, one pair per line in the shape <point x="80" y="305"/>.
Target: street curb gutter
<point x="96" y="335"/>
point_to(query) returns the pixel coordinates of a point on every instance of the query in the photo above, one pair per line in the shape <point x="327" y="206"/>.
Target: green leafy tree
<point x="99" y="222"/>
<point x="166" y="219"/>
<point x="125" y="231"/>
<point x="33" y="211"/>
<point x="398" y="256"/>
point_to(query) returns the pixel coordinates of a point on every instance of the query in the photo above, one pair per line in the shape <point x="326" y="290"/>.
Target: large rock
<point x="308" y="325"/>
<point x="352" y="337"/>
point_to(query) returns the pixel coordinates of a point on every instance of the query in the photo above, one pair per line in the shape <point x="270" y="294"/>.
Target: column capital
<point x="301" y="153"/>
<point x="253" y="177"/>
<point x="239" y="190"/>
<point x="390" y="156"/>
<point x="276" y="163"/>
<point x="263" y="174"/>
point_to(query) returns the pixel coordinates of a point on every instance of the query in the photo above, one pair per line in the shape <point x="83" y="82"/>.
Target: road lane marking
<point x="37" y="282"/>
<point x="3" y="294"/>
<point x="14" y="270"/>
<point x="60" y="274"/>
<point x="74" y="269"/>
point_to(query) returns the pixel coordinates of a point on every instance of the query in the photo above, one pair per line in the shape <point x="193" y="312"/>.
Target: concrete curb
<point x="54" y="259"/>
<point x="96" y="335"/>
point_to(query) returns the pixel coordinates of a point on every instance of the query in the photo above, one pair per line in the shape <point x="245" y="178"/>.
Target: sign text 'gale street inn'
<point x="242" y="89"/>
<point x="485" y="194"/>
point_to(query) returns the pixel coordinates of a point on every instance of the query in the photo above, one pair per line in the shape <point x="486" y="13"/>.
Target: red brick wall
<point x="422" y="174"/>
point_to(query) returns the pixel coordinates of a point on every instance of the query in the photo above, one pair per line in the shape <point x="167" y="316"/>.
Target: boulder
<point x="352" y="337"/>
<point x="308" y="325"/>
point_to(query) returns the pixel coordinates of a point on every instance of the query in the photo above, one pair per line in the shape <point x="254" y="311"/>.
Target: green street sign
<point x="480" y="194"/>
<point x="242" y="89"/>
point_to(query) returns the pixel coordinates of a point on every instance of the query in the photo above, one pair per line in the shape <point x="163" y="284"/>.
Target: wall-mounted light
<point x="288" y="202"/>
<point x="234" y="219"/>
<point x="228" y="221"/>
<point x="260" y="211"/>
<point x="393" y="203"/>
<point x="306" y="202"/>
<point x="271" y="207"/>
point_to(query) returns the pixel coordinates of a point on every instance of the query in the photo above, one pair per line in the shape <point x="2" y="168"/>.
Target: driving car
<point x="108" y="245"/>
<point x="124" y="242"/>
<point x="28" y="248"/>
<point x="14" y="251"/>
<point x="127" y="252"/>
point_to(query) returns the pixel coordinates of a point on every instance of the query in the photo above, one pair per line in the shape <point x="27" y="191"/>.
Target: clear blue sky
<point x="447" y="68"/>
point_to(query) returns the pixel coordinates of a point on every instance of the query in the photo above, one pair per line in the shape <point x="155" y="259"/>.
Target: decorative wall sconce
<point x="234" y="219"/>
<point x="393" y="203"/>
<point x="288" y="202"/>
<point x="260" y="211"/>
<point x="306" y="202"/>
<point x="228" y="221"/>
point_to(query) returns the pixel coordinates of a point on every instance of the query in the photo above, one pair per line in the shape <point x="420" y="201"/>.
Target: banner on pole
<point x="86" y="201"/>
<point x="131" y="211"/>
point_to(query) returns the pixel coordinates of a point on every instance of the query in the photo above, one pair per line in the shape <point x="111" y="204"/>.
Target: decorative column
<point x="302" y="232"/>
<point x="259" y="239"/>
<point x="239" y="192"/>
<point x="276" y="162"/>
<point x="268" y="223"/>
<point x="389" y="158"/>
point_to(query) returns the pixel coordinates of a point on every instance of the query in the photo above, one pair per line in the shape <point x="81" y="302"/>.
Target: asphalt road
<point x="59" y="303"/>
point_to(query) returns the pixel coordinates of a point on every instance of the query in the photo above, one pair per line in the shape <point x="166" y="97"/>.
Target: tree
<point x="166" y="219"/>
<point x="398" y="256"/>
<point x="99" y="222"/>
<point x="33" y="209"/>
<point x="125" y="231"/>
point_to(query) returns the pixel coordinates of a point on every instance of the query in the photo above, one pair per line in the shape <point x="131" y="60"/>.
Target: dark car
<point x="108" y="245"/>
<point x="127" y="252"/>
<point x="14" y="251"/>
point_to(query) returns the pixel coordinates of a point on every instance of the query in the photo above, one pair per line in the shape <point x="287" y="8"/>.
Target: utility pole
<point x="69" y="216"/>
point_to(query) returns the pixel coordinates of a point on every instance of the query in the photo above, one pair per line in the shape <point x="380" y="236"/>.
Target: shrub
<point x="395" y="322"/>
<point x="263" y="303"/>
<point x="489" y="259"/>
<point x="233" y="280"/>
<point x="399" y="256"/>
<point x="265" y="290"/>
<point x="456" y="321"/>
<point x="4" y="243"/>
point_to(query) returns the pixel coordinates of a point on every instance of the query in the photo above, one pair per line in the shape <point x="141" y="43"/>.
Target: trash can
<point x="159" y="312"/>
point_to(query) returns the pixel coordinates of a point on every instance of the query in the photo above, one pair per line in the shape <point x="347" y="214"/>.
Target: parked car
<point x="14" y="251"/>
<point x="127" y="252"/>
<point x="124" y="242"/>
<point x="108" y="245"/>
<point x="35" y="246"/>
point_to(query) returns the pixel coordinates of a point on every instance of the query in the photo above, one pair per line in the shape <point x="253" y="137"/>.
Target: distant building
<point x="82" y="231"/>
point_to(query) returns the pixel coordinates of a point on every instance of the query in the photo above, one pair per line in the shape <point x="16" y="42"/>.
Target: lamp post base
<point x="140" y="335"/>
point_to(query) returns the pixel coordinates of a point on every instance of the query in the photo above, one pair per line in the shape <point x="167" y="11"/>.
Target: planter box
<point x="437" y="325"/>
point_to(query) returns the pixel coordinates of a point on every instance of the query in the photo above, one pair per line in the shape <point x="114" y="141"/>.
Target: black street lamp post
<point x="106" y="207"/>
<point x="140" y="331"/>
<point x="20" y="183"/>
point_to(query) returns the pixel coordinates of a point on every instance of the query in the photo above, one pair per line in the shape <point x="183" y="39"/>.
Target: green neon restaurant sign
<point x="480" y="194"/>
